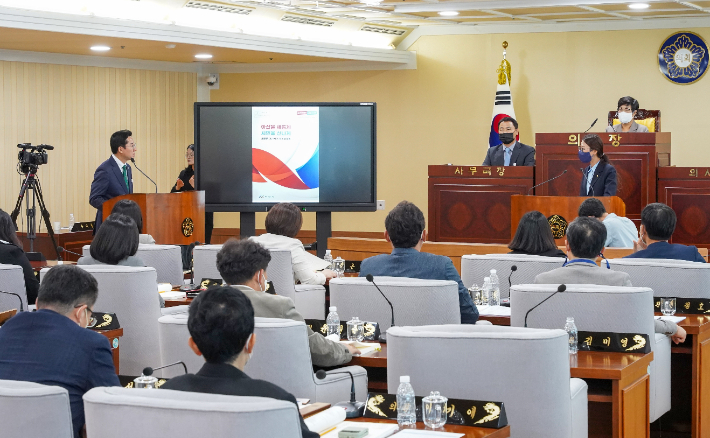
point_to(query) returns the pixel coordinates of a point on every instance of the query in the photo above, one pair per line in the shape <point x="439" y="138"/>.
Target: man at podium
<point x="511" y="152"/>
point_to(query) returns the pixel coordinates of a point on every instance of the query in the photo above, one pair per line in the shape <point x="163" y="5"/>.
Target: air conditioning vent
<point x="386" y="22"/>
<point x="218" y="7"/>
<point x="307" y="20"/>
<point x="349" y="17"/>
<point x="382" y="30"/>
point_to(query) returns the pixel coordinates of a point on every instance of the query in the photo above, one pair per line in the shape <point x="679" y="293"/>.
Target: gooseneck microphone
<point x="512" y="269"/>
<point x="545" y="182"/>
<point x="593" y="123"/>
<point x="148" y="371"/>
<point x="560" y="288"/>
<point x="353" y="408"/>
<point x="133" y="160"/>
<point x="383" y="336"/>
<point x="62" y="249"/>
<point x="18" y="297"/>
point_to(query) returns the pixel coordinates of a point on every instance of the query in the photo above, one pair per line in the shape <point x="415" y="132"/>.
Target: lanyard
<point x="579" y="261"/>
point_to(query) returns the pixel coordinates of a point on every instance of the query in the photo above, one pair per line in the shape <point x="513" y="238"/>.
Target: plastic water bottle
<point x="406" y="405"/>
<point x="494" y="298"/>
<point x="328" y="258"/>
<point x="333" y="321"/>
<point x="71" y="221"/>
<point x="571" y="330"/>
<point x="486" y="291"/>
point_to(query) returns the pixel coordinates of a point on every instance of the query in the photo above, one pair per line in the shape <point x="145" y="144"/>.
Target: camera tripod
<point x="31" y="183"/>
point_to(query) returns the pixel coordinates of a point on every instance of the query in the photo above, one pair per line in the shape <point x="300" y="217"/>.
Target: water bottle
<point x="486" y="291"/>
<point x="328" y="258"/>
<point x="71" y="221"/>
<point x="406" y="405"/>
<point x="494" y="297"/>
<point x="333" y="322"/>
<point x="571" y="330"/>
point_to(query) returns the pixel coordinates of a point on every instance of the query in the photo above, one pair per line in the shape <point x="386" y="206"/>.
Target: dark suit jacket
<point x="228" y="380"/>
<point x="108" y="183"/>
<point x="12" y="255"/>
<point x="665" y="250"/>
<point x="408" y="262"/>
<point x="523" y="155"/>
<point x="603" y="182"/>
<point x="48" y="348"/>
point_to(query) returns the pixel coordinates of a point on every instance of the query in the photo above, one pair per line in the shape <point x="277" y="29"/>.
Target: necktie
<point x="508" y="154"/>
<point x="125" y="176"/>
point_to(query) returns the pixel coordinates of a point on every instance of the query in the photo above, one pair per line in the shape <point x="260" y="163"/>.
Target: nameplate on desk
<point x="371" y="332"/>
<point x="615" y="342"/>
<point x="694" y="306"/>
<point x="491" y="171"/>
<point x="127" y="381"/>
<point x="352" y="266"/>
<point x="475" y="413"/>
<point x="105" y="321"/>
<point x="82" y="226"/>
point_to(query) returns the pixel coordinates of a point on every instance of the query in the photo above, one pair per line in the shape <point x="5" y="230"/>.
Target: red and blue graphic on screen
<point x="493" y="139"/>
<point x="267" y="166"/>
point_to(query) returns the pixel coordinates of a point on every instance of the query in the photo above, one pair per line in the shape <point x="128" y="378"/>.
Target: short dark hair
<point x="66" y="286"/>
<point x="220" y="321"/>
<point x="7" y="229"/>
<point x="404" y="225"/>
<point x="586" y="237"/>
<point x="595" y="143"/>
<point x="116" y="239"/>
<point x="591" y="207"/>
<point x="191" y="147"/>
<point x="508" y="119"/>
<point x="534" y="235"/>
<point x="239" y="260"/>
<point x="630" y="101"/>
<point x="130" y="209"/>
<point x="119" y="139"/>
<point x="284" y="219"/>
<point x="659" y="220"/>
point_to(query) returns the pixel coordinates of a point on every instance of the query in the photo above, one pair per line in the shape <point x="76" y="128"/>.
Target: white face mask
<point x="625" y="117"/>
<point x="261" y="286"/>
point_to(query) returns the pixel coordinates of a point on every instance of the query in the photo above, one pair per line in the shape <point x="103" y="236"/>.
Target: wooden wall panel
<point x="76" y="109"/>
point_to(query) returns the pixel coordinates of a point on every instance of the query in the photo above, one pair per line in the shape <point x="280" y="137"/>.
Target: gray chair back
<point x="167" y="261"/>
<point x="12" y="279"/>
<point x="415" y="301"/>
<point x="674" y="278"/>
<point x="173" y="346"/>
<point x="485" y="363"/>
<point x="204" y="259"/>
<point x="122" y="412"/>
<point x="280" y="272"/>
<point x="474" y="268"/>
<point x="33" y="410"/>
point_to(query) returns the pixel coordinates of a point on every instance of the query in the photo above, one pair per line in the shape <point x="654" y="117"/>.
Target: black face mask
<point x="507" y="137"/>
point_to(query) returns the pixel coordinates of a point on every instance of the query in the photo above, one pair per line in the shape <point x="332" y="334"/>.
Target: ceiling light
<point x="203" y="56"/>
<point x="638" y="5"/>
<point x="448" y="13"/>
<point x="100" y="48"/>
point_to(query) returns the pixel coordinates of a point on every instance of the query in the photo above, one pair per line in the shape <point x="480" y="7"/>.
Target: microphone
<point x="13" y="293"/>
<point x="512" y="269"/>
<point x="383" y="336"/>
<point x="148" y="371"/>
<point x="586" y="176"/>
<point x="133" y="160"/>
<point x="146" y="380"/>
<point x="62" y="249"/>
<point x="545" y="182"/>
<point x="353" y="408"/>
<point x="593" y="123"/>
<point x="560" y="288"/>
<point x="192" y="286"/>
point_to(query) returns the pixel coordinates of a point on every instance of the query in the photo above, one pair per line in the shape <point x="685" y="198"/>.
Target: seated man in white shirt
<point x="620" y="231"/>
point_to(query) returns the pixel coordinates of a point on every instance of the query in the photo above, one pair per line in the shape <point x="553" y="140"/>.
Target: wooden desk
<point x="65" y="238"/>
<point x="313" y="409"/>
<point x="37" y="266"/>
<point x="113" y="336"/>
<point x="178" y="302"/>
<point x="4" y="316"/>
<point x="468" y="431"/>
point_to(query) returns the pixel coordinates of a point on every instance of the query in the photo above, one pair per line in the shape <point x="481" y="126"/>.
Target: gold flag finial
<point x="504" y="69"/>
<point x="505" y="44"/>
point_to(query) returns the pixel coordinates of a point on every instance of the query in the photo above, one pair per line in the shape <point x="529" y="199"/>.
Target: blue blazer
<point x="48" y="348"/>
<point x="665" y="250"/>
<point x="523" y="155"/>
<point x="408" y="262"/>
<point x="108" y="183"/>
<point x="603" y="182"/>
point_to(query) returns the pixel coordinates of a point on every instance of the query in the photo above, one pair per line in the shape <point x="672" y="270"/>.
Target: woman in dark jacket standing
<point x="186" y="183"/>
<point x="11" y="253"/>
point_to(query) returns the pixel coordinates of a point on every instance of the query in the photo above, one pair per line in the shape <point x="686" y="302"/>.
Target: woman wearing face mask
<point x="626" y="111"/>
<point x="599" y="177"/>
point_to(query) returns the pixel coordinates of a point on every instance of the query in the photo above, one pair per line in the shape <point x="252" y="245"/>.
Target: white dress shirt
<point x="305" y="264"/>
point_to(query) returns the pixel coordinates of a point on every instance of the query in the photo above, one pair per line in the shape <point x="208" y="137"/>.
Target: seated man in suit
<point x="620" y="231"/>
<point x="221" y="325"/>
<point x="404" y="227"/>
<point x="52" y="345"/>
<point x="584" y="243"/>
<point x="657" y="225"/>
<point x="511" y="152"/>
<point x="242" y="264"/>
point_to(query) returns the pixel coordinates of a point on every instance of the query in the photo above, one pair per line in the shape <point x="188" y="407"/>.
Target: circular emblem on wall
<point x="683" y="58"/>
<point x="558" y="225"/>
<point x="187" y="227"/>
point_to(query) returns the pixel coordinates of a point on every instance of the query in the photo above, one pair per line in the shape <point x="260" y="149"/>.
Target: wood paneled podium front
<point x="687" y="191"/>
<point x="171" y="218"/>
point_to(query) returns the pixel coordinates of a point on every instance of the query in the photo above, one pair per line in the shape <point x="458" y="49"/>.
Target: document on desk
<point x="493" y="310"/>
<point x="375" y="430"/>
<point x="364" y="347"/>
<point x="409" y="433"/>
<point x="675" y="319"/>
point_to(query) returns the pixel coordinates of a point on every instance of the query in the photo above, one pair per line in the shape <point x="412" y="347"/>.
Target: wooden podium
<point x="636" y="156"/>
<point x="687" y="191"/>
<point x="171" y="218"/>
<point x="472" y="203"/>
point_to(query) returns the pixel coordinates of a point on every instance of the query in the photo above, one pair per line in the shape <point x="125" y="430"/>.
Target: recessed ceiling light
<point x="639" y="5"/>
<point x="203" y="56"/>
<point x="448" y="13"/>
<point x="100" y="48"/>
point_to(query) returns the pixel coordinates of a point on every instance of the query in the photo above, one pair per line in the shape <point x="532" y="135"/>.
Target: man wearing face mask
<point x="221" y="325"/>
<point x="599" y="177"/>
<point x="511" y="152"/>
<point x="52" y="345"/>
<point x="242" y="264"/>
<point x="626" y="110"/>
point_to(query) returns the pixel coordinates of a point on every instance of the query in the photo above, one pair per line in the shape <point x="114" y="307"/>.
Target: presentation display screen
<point x="319" y="156"/>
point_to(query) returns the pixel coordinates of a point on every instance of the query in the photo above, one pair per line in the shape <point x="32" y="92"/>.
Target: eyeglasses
<point x="189" y="155"/>
<point x="92" y="318"/>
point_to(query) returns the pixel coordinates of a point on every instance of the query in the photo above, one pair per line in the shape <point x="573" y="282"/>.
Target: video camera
<point x="32" y="156"/>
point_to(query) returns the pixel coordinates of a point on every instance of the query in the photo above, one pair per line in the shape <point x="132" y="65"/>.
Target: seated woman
<point x="534" y="237"/>
<point x="626" y="110"/>
<point x="283" y="222"/>
<point x="115" y="243"/>
<point x="11" y="253"/>
<point x="133" y="210"/>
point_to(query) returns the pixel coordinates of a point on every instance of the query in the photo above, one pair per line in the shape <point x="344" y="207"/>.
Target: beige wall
<point x="441" y="112"/>
<point x="76" y="109"/>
